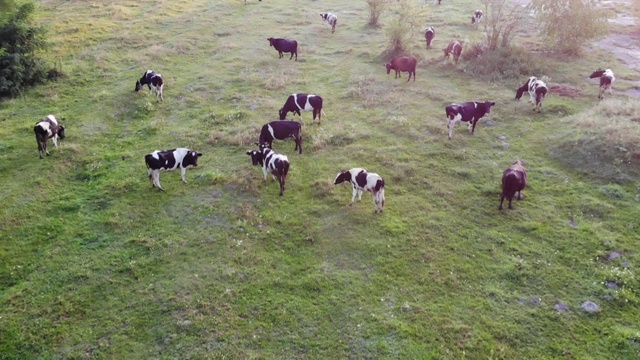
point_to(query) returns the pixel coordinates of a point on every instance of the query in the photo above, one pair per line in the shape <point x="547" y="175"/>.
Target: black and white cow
<point x="170" y="160"/>
<point x="281" y="130"/>
<point x="304" y="102"/>
<point x="271" y="162"/>
<point x="331" y="18"/>
<point x="477" y="16"/>
<point x="606" y="80"/>
<point x="429" y="34"/>
<point x="537" y="91"/>
<point x="284" y="46"/>
<point x="361" y="181"/>
<point x="153" y="81"/>
<point x="45" y="129"/>
<point x="467" y="112"/>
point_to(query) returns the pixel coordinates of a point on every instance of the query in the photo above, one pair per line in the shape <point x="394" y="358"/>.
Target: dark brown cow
<point x="403" y="63"/>
<point x="454" y="48"/>
<point x="514" y="179"/>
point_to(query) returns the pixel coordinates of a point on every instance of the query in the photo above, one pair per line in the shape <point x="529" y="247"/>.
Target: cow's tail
<point x="285" y="170"/>
<point x="322" y="112"/>
<point x="541" y="92"/>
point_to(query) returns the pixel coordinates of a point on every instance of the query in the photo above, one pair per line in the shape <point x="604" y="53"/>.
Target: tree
<point x="19" y="42"/>
<point x="376" y="7"/>
<point x="503" y="19"/>
<point x="406" y="21"/>
<point x="569" y="24"/>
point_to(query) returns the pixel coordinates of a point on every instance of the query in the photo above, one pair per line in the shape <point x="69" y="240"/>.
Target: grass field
<point x="94" y="263"/>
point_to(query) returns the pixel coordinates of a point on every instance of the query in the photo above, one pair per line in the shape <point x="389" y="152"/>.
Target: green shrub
<point x="504" y="63"/>
<point x="19" y="41"/>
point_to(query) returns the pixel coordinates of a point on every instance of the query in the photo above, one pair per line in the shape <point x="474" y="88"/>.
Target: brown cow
<point x="403" y="63"/>
<point x="514" y="179"/>
<point x="454" y="48"/>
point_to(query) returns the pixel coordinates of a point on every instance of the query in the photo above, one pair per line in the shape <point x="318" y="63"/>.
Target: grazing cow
<point x="332" y="19"/>
<point x="281" y="130"/>
<point x="305" y="102"/>
<point x="170" y="160"/>
<point x="606" y="80"/>
<point x="153" y="81"/>
<point x="477" y="16"/>
<point x="271" y="161"/>
<point x="467" y="111"/>
<point x="45" y="129"/>
<point x="363" y="181"/>
<point x="429" y="34"/>
<point x="537" y="91"/>
<point x="284" y="46"/>
<point x="514" y="179"/>
<point x="402" y="63"/>
<point x="454" y="48"/>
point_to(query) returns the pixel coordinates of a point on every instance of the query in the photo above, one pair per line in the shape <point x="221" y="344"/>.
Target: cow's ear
<point x="493" y="103"/>
<point x="249" y="152"/>
<point x="198" y="154"/>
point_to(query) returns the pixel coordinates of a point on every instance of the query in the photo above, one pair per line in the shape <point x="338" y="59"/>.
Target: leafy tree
<point x="569" y="24"/>
<point x="19" y="42"/>
<point x="376" y="7"/>
<point x="406" y="21"/>
<point x="503" y="19"/>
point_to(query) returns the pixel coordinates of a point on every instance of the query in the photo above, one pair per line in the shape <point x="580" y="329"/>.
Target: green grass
<point x="94" y="263"/>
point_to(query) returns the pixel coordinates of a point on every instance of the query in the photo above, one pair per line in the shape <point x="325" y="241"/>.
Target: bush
<point x="19" y="41"/>
<point x="406" y="22"/>
<point x="504" y="62"/>
<point x="376" y="7"/>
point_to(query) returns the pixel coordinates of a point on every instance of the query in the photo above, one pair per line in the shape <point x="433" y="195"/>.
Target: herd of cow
<point x="514" y="177"/>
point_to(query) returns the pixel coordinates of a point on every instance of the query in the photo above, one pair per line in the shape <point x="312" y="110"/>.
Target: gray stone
<point x="612" y="285"/>
<point x="561" y="306"/>
<point x="253" y="107"/>
<point x="613" y="255"/>
<point x="590" y="307"/>
<point x="625" y="264"/>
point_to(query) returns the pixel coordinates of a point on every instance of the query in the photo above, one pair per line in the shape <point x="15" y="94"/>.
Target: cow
<point x="606" y="80"/>
<point x="537" y="91"/>
<point x="467" y="112"/>
<point x="284" y="46"/>
<point x="245" y="1"/>
<point x="45" y="129"/>
<point x="361" y="181"/>
<point x="455" y="48"/>
<point x="477" y="16"/>
<point x="402" y="63"/>
<point x="332" y="19"/>
<point x="304" y="102"/>
<point x="271" y="161"/>
<point x="153" y="81"/>
<point x="281" y="130"/>
<point x="170" y="160"/>
<point x="514" y="179"/>
<point x="429" y="34"/>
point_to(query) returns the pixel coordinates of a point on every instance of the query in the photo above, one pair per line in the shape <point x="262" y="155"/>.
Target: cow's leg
<point x="375" y="200"/>
<point x="150" y="174"/>
<point x="157" y="180"/>
<point x="183" y="172"/>
<point x="360" y="195"/>
<point x="353" y="195"/>
<point x="501" y="201"/>
<point x="451" y="124"/>
<point x="281" y="182"/>
<point x="40" y="148"/>
<point x="264" y="171"/>
<point x="291" y="57"/>
<point x="472" y="127"/>
<point x="510" y="198"/>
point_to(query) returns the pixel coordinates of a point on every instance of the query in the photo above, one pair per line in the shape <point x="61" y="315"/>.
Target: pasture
<point x="95" y="263"/>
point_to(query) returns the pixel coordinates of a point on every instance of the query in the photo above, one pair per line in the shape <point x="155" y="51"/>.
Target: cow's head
<point x="520" y="91"/>
<point x="256" y="156"/>
<point x="270" y="40"/>
<point x="191" y="159"/>
<point x="323" y="15"/>
<point x="388" y="66"/>
<point x="596" y="74"/>
<point x="488" y="105"/>
<point x="282" y="113"/>
<point x="61" y="134"/>
<point x="342" y="176"/>
<point x="138" y="85"/>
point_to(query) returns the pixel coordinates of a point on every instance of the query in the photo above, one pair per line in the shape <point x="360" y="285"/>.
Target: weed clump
<point x="502" y="63"/>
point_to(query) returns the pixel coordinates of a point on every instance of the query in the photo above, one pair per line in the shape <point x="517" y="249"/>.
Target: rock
<point x="561" y="306"/>
<point x="612" y="285"/>
<point x="613" y="255"/>
<point x="590" y="307"/>
<point x="534" y="301"/>
<point x="217" y="194"/>
<point x="502" y="137"/>
<point x="505" y="144"/>
<point x="253" y="107"/>
<point x="625" y="264"/>
<point x="489" y="122"/>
